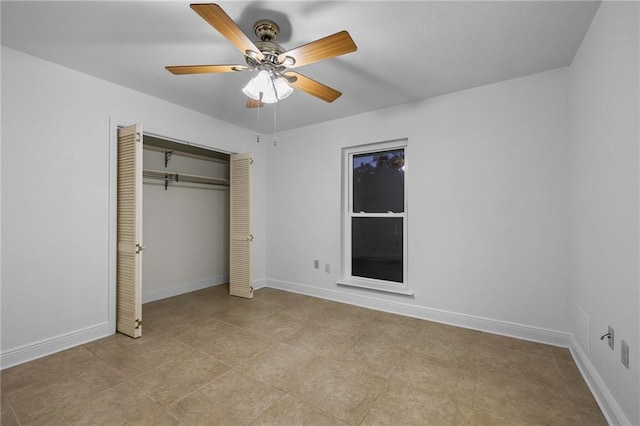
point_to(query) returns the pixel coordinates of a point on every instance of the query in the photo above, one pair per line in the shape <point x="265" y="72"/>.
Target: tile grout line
<point x="13" y="411"/>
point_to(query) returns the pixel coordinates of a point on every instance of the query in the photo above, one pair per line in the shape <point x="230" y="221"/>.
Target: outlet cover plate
<point x="624" y="353"/>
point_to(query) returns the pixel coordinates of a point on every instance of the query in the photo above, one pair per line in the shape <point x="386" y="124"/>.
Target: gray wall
<point x="185" y="228"/>
<point x="605" y="212"/>
<point x="58" y="191"/>
<point x="487" y="206"/>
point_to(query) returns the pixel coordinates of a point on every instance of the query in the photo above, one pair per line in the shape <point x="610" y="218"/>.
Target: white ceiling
<point x="406" y="50"/>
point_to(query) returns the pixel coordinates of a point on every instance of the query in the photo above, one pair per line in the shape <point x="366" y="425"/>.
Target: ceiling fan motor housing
<point x="270" y="50"/>
<point x="266" y="30"/>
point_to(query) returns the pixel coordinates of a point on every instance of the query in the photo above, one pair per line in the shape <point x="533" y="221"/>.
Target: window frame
<point x="346" y="278"/>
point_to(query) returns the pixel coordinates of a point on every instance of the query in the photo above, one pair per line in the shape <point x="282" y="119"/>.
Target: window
<point x="374" y="208"/>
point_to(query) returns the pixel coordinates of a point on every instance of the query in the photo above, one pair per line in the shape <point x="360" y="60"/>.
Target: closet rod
<point x="183" y="177"/>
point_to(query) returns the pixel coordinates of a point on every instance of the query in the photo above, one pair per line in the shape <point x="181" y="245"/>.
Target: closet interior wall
<point x="185" y="224"/>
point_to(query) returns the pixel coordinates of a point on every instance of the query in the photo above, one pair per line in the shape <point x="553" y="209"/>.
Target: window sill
<point x="372" y="285"/>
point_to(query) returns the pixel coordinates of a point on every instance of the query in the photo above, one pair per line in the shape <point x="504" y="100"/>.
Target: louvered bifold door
<point x="129" y="258"/>
<point x="240" y="276"/>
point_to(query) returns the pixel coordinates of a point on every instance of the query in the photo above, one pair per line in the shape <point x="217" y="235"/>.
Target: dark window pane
<point x="376" y="248"/>
<point x="378" y="182"/>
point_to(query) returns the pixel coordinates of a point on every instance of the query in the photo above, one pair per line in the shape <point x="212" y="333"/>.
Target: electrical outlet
<point x="624" y="353"/>
<point x="327" y="268"/>
<point x="316" y="264"/>
<point x="611" y="337"/>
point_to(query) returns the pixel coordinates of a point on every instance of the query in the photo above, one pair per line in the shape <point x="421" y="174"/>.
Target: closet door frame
<point x="114" y="124"/>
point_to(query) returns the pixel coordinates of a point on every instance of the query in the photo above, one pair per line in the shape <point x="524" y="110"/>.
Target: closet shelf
<point x="183" y="177"/>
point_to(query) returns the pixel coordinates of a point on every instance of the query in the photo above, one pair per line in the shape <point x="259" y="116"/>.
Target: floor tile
<point x="374" y="351"/>
<point x="353" y="310"/>
<point x="44" y="370"/>
<point x="454" y="352"/>
<point x="281" y="296"/>
<point x="144" y="357"/>
<point x="340" y="327"/>
<point x="199" y="335"/>
<point x="289" y="411"/>
<point x="441" y="331"/>
<point x="279" y="366"/>
<point x="402" y="404"/>
<point x="533" y="411"/>
<point x="433" y="376"/>
<point x="180" y="377"/>
<point x="120" y="405"/>
<point x="232" y="399"/>
<point x="516" y="344"/>
<point x="402" y="333"/>
<point x="587" y="410"/>
<point x="284" y="358"/>
<point x="540" y="369"/>
<point x="245" y="315"/>
<point x="116" y="343"/>
<point x="280" y="326"/>
<point x="166" y="324"/>
<point x="573" y="381"/>
<point x="522" y="400"/>
<point x="7" y="415"/>
<point x="415" y="324"/>
<point x="88" y="378"/>
<point x="501" y="385"/>
<point x="311" y="309"/>
<point x="467" y="416"/>
<point x="237" y="347"/>
<point x="379" y="354"/>
<point x="345" y="393"/>
<point x="561" y="354"/>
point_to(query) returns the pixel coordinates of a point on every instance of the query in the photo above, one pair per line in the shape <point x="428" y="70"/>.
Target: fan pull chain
<point x="275" y="140"/>
<point x="258" y="133"/>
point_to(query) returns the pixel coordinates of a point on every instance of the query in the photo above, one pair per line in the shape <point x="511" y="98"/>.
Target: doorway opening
<point x="186" y="222"/>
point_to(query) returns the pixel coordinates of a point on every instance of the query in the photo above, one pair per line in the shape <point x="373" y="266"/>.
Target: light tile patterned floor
<point x="288" y="359"/>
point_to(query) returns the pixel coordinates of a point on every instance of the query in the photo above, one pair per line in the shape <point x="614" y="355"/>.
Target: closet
<point x="191" y="206"/>
<point x="185" y="218"/>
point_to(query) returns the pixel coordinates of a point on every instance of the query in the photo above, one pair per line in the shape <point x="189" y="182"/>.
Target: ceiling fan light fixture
<point x="282" y="88"/>
<point x="250" y="91"/>
<point x="266" y="89"/>
<point x="269" y="97"/>
<point x="259" y="84"/>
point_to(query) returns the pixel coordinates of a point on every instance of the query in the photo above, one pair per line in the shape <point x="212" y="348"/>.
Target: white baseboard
<point x="55" y="344"/>
<point x="182" y="288"/>
<point x="29" y="352"/>
<point x="504" y="328"/>
<point x="609" y="406"/>
<point x="261" y="283"/>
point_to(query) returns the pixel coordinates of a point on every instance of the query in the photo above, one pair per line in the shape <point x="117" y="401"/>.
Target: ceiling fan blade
<point x="252" y="103"/>
<point x="324" y="48"/>
<point x="205" y="69"/>
<point x="312" y="87"/>
<point x="218" y="19"/>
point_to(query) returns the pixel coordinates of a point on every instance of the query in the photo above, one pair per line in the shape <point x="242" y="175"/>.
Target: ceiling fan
<point x="275" y="77"/>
